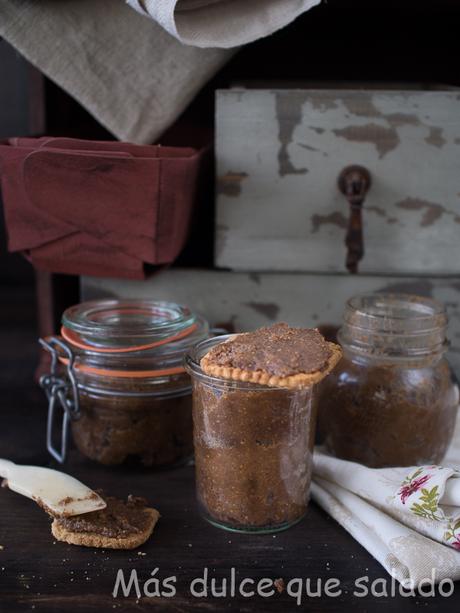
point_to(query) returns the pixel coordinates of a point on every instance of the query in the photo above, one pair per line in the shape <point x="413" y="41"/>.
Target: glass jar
<point x="118" y="374"/>
<point x="393" y="399"/>
<point x="253" y="450"/>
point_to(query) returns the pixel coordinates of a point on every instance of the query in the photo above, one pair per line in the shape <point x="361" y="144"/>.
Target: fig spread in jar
<point x="120" y="365"/>
<point x="154" y="429"/>
<point x="393" y="399"/>
<point x="253" y="441"/>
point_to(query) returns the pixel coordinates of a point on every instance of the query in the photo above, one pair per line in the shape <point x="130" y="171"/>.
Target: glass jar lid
<point x="131" y="337"/>
<point x="124" y="324"/>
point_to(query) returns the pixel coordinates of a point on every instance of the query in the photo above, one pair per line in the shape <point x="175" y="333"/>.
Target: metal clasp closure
<point x="60" y="391"/>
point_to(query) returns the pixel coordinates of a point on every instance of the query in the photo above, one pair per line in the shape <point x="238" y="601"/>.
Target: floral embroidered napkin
<point x="407" y="518"/>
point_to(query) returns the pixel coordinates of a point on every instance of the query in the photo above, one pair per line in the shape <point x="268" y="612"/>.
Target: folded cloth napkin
<point x="407" y="518"/>
<point x="220" y="23"/>
<point x="126" y="70"/>
<point x="97" y="208"/>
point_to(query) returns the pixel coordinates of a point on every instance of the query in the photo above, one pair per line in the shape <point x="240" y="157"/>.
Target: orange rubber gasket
<point x="73" y="338"/>
<point x="137" y="374"/>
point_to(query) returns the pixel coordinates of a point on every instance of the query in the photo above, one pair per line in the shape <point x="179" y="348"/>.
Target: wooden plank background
<point x="279" y="153"/>
<point x="245" y="301"/>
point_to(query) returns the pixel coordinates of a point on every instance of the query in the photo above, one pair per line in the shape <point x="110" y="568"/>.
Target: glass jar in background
<point x="393" y="399"/>
<point x="253" y="450"/>
<point x="118" y="374"/>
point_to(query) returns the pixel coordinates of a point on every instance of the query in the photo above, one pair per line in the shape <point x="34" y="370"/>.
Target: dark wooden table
<point x="37" y="573"/>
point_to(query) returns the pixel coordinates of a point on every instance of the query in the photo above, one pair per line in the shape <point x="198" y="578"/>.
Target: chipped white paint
<point x="247" y="301"/>
<point x="279" y="153"/>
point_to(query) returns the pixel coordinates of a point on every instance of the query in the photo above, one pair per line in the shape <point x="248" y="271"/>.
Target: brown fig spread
<point x="119" y="519"/>
<point x="153" y="430"/>
<point x="279" y="350"/>
<point x="384" y="415"/>
<point x="253" y="454"/>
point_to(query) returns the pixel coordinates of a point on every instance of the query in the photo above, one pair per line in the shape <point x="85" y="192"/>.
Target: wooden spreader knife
<point x="57" y="493"/>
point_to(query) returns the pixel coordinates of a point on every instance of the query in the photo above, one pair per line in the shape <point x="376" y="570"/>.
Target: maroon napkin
<point x="97" y="208"/>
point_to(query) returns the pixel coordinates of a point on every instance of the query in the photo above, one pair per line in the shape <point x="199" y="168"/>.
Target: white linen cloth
<point x="222" y="23"/>
<point x="126" y="70"/>
<point x="407" y="518"/>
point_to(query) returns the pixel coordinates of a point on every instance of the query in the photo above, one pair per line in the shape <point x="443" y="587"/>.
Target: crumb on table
<point x="279" y="584"/>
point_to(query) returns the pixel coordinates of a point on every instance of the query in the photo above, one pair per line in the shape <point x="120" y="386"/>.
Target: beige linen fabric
<point x="126" y="70"/>
<point x="222" y="23"/>
<point x="368" y="504"/>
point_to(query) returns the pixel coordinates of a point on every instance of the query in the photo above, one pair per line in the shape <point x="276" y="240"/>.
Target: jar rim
<point x="131" y="338"/>
<point x="394" y="325"/>
<point x="383" y="305"/>
<point x="192" y="366"/>
<point x="125" y="322"/>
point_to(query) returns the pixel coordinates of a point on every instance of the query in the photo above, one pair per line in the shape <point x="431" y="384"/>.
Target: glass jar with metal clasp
<point x="117" y="373"/>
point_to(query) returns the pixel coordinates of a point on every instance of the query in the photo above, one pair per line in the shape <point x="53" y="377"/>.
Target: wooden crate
<point x="279" y="154"/>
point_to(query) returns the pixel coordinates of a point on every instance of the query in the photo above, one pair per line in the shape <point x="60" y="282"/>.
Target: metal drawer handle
<point x="354" y="183"/>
